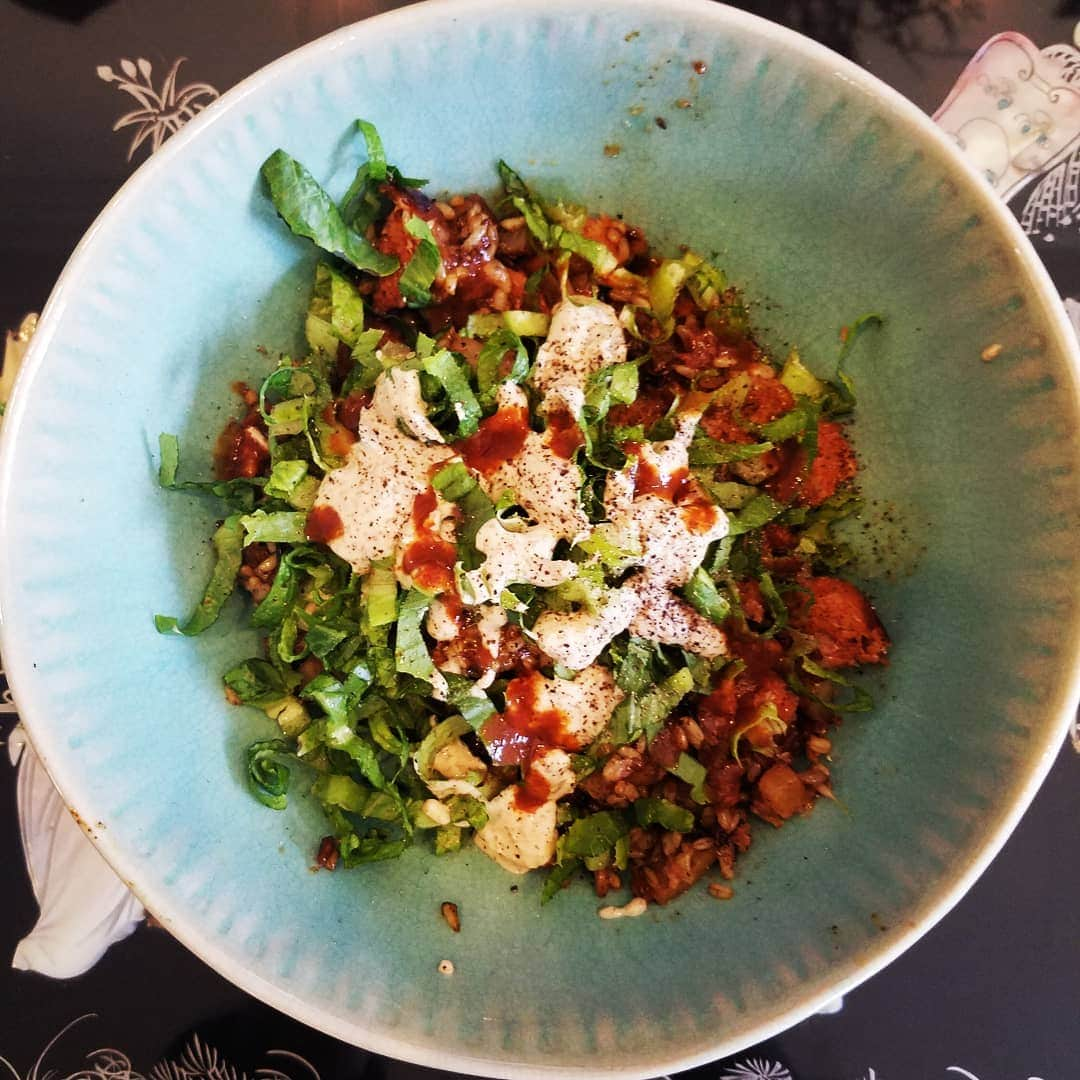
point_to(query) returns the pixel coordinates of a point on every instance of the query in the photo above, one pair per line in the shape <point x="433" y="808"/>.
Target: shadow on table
<point x="68" y="10"/>
<point x="919" y="27"/>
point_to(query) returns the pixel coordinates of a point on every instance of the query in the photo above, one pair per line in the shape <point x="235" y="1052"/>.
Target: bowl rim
<point x="186" y="927"/>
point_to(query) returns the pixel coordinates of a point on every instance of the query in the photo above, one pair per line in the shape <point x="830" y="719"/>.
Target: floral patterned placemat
<point x="991" y="994"/>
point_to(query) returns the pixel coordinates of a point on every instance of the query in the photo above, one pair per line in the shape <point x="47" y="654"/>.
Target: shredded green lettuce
<point x="376" y="163"/>
<point x="706" y="451"/>
<point x="411" y="656"/>
<point x="521" y="323"/>
<point x="454" y="379"/>
<point x="307" y="209"/>
<point x="593" y="835"/>
<point x="775" y="603"/>
<point x="633" y="665"/>
<point x="447" y="839"/>
<point x="274" y="527"/>
<point x="335" y="312"/>
<point x="239" y="494"/>
<point x="228" y="544"/>
<point x="598" y="255"/>
<point x="650" y="810"/>
<point x="526" y="204"/>
<point x="796" y="422"/>
<point x="690" y="770"/>
<point x="490" y="362"/>
<point x="843" y="398"/>
<point x="381" y="594"/>
<point x="758" y="511"/>
<point x="455" y="483"/>
<point x="702" y="594"/>
<point x="423" y="267"/>
<point x="557" y="878"/>
<point x="268" y="777"/>
<point x="861" y="700"/>
<point x="644" y="713"/>
<point x="474" y="705"/>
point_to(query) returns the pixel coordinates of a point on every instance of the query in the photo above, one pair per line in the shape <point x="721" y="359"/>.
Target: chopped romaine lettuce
<point x="310" y="212"/>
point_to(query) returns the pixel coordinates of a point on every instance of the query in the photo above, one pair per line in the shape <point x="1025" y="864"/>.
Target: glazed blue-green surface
<point x="824" y="198"/>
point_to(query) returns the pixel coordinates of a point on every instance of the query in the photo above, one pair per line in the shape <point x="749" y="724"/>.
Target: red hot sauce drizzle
<point x="340" y="438"/>
<point x="500" y="437"/>
<point x="429" y="559"/>
<point x="678" y="487"/>
<point x="648" y="480"/>
<point x="532" y="793"/>
<point x="563" y="434"/>
<point x="323" y="525"/>
<point x="242" y="449"/>
<point x="514" y="736"/>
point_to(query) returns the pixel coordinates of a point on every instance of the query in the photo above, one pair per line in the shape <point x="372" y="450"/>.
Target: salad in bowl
<point x="541" y="541"/>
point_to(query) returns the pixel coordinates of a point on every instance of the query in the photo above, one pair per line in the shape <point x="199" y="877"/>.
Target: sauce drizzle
<point x="563" y="434"/>
<point x="499" y="438"/>
<point x="530" y="795"/>
<point x="513" y="736"/>
<point x="429" y="559"/>
<point x="678" y="487"/>
<point x="323" y="525"/>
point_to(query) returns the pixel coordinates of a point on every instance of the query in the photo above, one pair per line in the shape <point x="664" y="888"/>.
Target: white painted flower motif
<point x="162" y="112"/>
<point x="7" y="703"/>
<point x="757" y="1069"/>
<point x="199" y="1061"/>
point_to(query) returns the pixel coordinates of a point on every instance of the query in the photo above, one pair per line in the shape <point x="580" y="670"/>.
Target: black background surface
<point x="992" y="991"/>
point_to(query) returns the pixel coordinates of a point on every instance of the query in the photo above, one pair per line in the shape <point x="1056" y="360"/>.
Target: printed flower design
<point x="199" y="1061"/>
<point x="7" y="703"/>
<point x="757" y="1069"/>
<point x="161" y="112"/>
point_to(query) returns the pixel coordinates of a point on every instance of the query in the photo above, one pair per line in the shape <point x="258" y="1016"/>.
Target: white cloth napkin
<point x="83" y="906"/>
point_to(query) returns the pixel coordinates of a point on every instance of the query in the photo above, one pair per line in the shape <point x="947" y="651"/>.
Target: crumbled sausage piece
<point x="450" y="914"/>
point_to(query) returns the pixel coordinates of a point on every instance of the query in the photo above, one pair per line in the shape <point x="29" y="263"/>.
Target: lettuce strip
<point x="309" y="212"/>
<point x="228" y="544"/>
<point x="424" y="266"/>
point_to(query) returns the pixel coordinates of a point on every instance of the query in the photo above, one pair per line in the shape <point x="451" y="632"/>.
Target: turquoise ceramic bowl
<point x="823" y="193"/>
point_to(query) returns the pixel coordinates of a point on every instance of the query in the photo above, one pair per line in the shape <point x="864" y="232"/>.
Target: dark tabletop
<point x="992" y="993"/>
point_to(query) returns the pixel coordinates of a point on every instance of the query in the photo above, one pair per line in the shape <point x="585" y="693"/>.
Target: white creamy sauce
<point x="671" y="550"/>
<point x="666" y="618"/>
<point x="520" y="556"/>
<point x="546" y="485"/>
<point x="406" y="404"/>
<point x="440" y="624"/>
<point x="490" y="624"/>
<point x="582" y="339"/>
<point x="522" y="840"/>
<point x="385" y="470"/>
<point x="518" y="840"/>
<point x="585" y="702"/>
<point x="576" y="638"/>
<point x="555" y="766"/>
